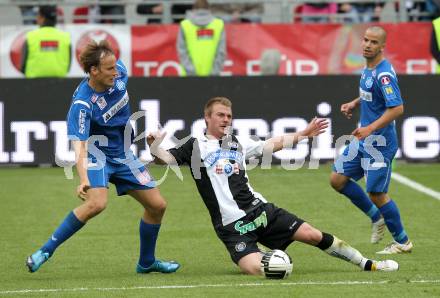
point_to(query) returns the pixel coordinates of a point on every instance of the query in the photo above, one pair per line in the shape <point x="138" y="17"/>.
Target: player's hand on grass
<point x="81" y="191"/>
<point x="362" y="132"/>
<point x="347" y="109"/>
<point x="316" y="127"/>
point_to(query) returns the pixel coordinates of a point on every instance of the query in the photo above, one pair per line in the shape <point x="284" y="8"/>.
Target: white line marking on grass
<point x="242" y="285"/>
<point x="415" y="185"/>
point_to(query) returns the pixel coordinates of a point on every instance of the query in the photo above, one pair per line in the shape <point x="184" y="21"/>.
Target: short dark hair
<point x="49" y="13"/>
<point x="221" y="100"/>
<point x="201" y="4"/>
<point x="93" y="53"/>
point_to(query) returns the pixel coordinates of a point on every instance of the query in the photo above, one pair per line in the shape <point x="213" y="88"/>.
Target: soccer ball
<point x="276" y="264"/>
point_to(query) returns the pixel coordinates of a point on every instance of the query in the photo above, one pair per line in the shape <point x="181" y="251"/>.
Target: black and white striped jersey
<point x="219" y="170"/>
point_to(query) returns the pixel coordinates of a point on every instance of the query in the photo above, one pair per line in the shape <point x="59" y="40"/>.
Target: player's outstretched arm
<point x="315" y="127"/>
<point x="80" y="148"/>
<point x="161" y="156"/>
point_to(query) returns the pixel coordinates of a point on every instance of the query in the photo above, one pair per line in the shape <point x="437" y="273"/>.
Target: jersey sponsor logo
<point x="365" y="95"/>
<point x="261" y="220"/>
<point x="101" y="103"/>
<point x="369" y="82"/>
<point x="120" y="85"/>
<point x="389" y="92"/>
<point x="224" y="166"/>
<point x="213" y="157"/>
<point x="82" y="121"/>
<point x="385" y="80"/>
<point x="116" y="108"/>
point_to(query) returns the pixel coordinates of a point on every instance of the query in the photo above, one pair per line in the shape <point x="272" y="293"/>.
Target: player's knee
<point x="337" y="181"/>
<point x="379" y="198"/>
<point x="161" y="207"/>
<point x="251" y="268"/>
<point x="251" y="264"/>
<point x="157" y="210"/>
<point x="96" y="206"/>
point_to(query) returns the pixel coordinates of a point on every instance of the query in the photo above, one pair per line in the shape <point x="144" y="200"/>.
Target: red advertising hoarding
<point x="306" y="49"/>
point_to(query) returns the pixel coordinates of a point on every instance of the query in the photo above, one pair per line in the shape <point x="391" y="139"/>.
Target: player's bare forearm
<point x="80" y="148"/>
<point x="316" y="127"/>
<point x="356" y="101"/>
<point x="285" y="141"/>
<point x="390" y="115"/>
<point x="161" y="156"/>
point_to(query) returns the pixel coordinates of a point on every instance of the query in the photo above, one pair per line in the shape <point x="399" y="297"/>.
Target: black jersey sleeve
<point x="183" y="153"/>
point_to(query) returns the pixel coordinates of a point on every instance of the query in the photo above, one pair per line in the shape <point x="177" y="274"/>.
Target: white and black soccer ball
<point x="276" y="264"/>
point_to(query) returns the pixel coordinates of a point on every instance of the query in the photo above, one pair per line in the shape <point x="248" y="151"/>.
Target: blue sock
<point x="148" y="234"/>
<point x="66" y="229"/>
<point x="360" y="199"/>
<point x="391" y="214"/>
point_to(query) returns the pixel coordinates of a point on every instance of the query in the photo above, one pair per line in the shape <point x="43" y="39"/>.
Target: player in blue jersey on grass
<point x="97" y="121"/>
<point x="373" y="150"/>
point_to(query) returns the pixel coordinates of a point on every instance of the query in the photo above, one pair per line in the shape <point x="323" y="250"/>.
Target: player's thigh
<point x="150" y="199"/>
<point x="281" y="226"/>
<point x="131" y="176"/>
<point x="98" y="174"/>
<point x="378" y="176"/>
<point x="348" y="164"/>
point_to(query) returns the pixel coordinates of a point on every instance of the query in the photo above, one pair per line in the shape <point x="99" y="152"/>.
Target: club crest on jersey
<point x="224" y="166"/>
<point x="369" y="82"/>
<point x="101" y="103"/>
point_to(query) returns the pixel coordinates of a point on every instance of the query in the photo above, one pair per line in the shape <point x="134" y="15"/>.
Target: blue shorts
<point x="358" y="162"/>
<point x="125" y="173"/>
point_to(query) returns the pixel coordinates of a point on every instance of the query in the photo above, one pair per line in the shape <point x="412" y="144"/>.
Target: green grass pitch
<point x="100" y="260"/>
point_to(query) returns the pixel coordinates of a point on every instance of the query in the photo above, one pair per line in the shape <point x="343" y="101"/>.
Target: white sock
<point x="340" y="249"/>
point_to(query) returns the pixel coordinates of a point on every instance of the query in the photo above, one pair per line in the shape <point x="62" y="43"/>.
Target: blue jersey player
<point x="98" y="124"/>
<point x="373" y="150"/>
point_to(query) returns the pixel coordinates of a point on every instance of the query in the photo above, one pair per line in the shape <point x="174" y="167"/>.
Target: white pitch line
<point x="415" y="185"/>
<point x="241" y="285"/>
